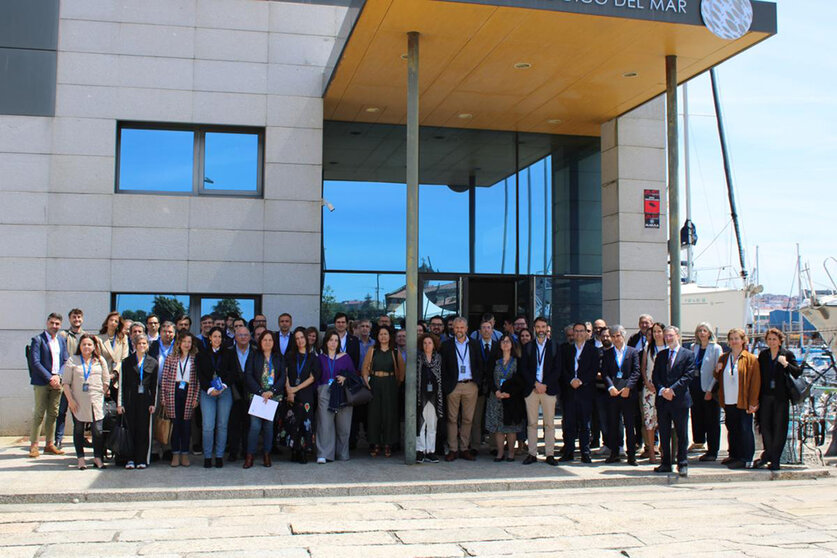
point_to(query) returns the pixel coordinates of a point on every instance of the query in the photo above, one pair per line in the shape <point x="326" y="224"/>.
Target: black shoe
<point x="551" y="461"/>
<point x="419" y="457"/>
<point x="736" y="464"/>
<point x="499" y="459"/>
<point x="614" y="458"/>
<point x="431" y="458"/>
<point x="758" y="464"/>
<point x="632" y="461"/>
<point x="662" y="469"/>
<point x="727" y="461"/>
<point x="707" y="457"/>
<point x="586" y="459"/>
<point x="773" y="467"/>
<point x="207" y="463"/>
<point x="232" y="457"/>
<point x="567" y="457"/>
<point x="683" y="470"/>
<point x="530" y="459"/>
<point x="219" y="462"/>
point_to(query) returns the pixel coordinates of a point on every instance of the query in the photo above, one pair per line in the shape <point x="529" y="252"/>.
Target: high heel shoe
<point x="387" y="451"/>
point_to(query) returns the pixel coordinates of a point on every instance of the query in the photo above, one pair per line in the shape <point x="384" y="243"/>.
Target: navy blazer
<point x="450" y="364"/>
<point x="353" y="349"/>
<point x="551" y="367"/>
<point x="236" y="372"/>
<point x="678" y="377"/>
<point x="487" y="360"/>
<point x="40" y="358"/>
<point x="630" y="368"/>
<point x="588" y="365"/>
<point x="253" y="374"/>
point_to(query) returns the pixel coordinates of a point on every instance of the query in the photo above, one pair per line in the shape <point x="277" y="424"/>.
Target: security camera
<point x="325" y="203"/>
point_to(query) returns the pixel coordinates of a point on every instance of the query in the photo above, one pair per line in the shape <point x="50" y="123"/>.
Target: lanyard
<point x="164" y="351"/>
<point x="113" y="342"/>
<point x="300" y="367"/>
<point x="141" y="365"/>
<point x="540" y="354"/>
<point x="619" y="356"/>
<point x="330" y="366"/>
<point x="505" y="369"/>
<point x="343" y="342"/>
<point x="578" y="355"/>
<point x="87" y="370"/>
<point x="270" y="370"/>
<point x="732" y="364"/>
<point x="184" y="366"/>
<point x="461" y="356"/>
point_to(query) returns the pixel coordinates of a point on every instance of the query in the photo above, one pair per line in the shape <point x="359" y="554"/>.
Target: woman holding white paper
<point x="265" y="377"/>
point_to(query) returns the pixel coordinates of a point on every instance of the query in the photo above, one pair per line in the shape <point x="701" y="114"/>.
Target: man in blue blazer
<point x="540" y="368"/>
<point x="620" y="371"/>
<point x="47" y="354"/>
<point x="674" y="369"/>
<point x="580" y="365"/>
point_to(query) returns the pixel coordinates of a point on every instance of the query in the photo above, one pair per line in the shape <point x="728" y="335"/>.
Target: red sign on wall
<point x="651" y="207"/>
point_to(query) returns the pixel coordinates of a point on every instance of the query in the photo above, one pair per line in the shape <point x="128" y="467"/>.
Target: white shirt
<point x="463" y="360"/>
<point x="343" y="341"/>
<point x="578" y="351"/>
<point x="731" y="381"/>
<point x="619" y="356"/>
<point x="540" y="356"/>
<point x="55" y="351"/>
<point x="184" y="370"/>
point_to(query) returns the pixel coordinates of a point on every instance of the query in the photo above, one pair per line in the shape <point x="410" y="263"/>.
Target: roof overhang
<point x="590" y="60"/>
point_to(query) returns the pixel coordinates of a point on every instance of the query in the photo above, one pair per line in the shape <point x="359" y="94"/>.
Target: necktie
<point x="671" y="359"/>
<point x="487" y="348"/>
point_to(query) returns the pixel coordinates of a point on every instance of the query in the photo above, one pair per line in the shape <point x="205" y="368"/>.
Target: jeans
<point x="181" y="431"/>
<point x="62" y="418"/>
<point x="215" y="419"/>
<point x="260" y="426"/>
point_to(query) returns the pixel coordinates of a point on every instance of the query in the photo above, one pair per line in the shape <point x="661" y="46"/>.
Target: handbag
<point x="799" y="389"/>
<point x="162" y="429"/>
<point x="358" y="394"/>
<point x="119" y="442"/>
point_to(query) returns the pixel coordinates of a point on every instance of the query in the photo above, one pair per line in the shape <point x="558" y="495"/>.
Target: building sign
<point x="651" y="207"/>
<point x="725" y="18"/>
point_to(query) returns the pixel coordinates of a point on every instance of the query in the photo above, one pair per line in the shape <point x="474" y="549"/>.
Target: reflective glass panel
<point x="495" y="227"/>
<point x="536" y="232"/>
<point x="443" y="228"/>
<point x="231" y="162"/>
<point x="362" y="295"/>
<point x="569" y="300"/>
<point x="244" y="307"/>
<point x="439" y="298"/>
<point x="156" y="160"/>
<point x="139" y="306"/>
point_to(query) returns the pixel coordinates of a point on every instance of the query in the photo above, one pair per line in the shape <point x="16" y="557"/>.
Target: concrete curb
<point x="385" y="489"/>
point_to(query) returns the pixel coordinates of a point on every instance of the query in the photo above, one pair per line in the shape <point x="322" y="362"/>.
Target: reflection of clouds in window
<point x="159" y="160"/>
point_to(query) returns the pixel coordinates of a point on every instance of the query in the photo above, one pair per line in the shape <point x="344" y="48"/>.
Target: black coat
<point x="678" y="377"/>
<point x="298" y="369"/>
<point x="236" y="373"/>
<point x="253" y="374"/>
<point x="129" y="382"/>
<point x="514" y="408"/>
<point x="488" y="359"/>
<point x="213" y="363"/>
<point x="551" y="367"/>
<point x="777" y="374"/>
<point x="630" y="369"/>
<point x="589" y="364"/>
<point x="450" y="364"/>
<point x="353" y="349"/>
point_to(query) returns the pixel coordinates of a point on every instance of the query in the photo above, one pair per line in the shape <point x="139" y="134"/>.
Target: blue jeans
<point x="215" y="416"/>
<point x="259" y="426"/>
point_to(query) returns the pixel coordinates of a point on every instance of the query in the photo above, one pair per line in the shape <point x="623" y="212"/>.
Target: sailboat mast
<point x="728" y="173"/>
<point x="690" y="262"/>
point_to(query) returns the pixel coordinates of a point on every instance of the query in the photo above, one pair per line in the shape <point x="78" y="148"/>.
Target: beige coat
<point x="90" y="403"/>
<point x="113" y="354"/>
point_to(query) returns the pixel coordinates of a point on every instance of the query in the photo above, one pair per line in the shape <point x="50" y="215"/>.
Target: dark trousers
<point x="139" y="428"/>
<point x="578" y="414"/>
<point x="60" y="421"/>
<point x="706" y="422"/>
<point x="603" y="410"/>
<point x="98" y="438"/>
<point x="239" y="425"/>
<point x="621" y="412"/>
<point x="181" y="429"/>
<point x="666" y="415"/>
<point x="742" y="441"/>
<point x="773" y="417"/>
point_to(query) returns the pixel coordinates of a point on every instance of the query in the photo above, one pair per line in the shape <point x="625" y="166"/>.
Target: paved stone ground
<point x="761" y="519"/>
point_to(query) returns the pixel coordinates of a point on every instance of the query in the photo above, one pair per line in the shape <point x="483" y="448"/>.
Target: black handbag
<point x="358" y="394"/>
<point x="119" y="442"/>
<point x="799" y="389"/>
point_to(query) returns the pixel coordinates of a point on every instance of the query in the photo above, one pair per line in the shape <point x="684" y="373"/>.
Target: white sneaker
<point x="141" y="466"/>
<point x="321" y="460"/>
<point x="130" y="465"/>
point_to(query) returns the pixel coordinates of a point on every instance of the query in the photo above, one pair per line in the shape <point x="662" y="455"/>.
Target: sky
<point x="779" y="102"/>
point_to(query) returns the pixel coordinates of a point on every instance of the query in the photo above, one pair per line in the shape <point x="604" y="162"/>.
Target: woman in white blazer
<point x="706" y="411"/>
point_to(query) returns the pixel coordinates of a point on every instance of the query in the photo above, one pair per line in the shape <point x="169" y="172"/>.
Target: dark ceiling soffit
<point x="764" y="13"/>
<point x="342" y="39"/>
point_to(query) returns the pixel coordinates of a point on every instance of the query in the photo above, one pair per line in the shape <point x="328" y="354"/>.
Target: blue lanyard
<point x="113" y="342"/>
<point x="330" y="367"/>
<point x="482" y="349"/>
<point x="87" y="370"/>
<point x="617" y="354"/>
<point x="461" y="356"/>
<point x="270" y="370"/>
<point x="300" y="368"/>
<point x="165" y="352"/>
<point x="540" y="354"/>
<point x="141" y="366"/>
<point x="505" y="369"/>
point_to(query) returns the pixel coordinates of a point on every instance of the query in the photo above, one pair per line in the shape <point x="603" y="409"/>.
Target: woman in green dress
<point x="383" y="372"/>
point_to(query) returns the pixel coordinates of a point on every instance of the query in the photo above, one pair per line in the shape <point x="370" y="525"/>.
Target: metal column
<point x="411" y="314"/>
<point x="673" y="189"/>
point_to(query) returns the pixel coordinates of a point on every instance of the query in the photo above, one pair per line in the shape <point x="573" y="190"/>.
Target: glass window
<point x="495" y="227"/>
<point x="245" y="307"/>
<point x="366" y="230"/>
<point x="439" y="298"/>
<point x="138" y="306"/>
<point x="535" y="183"/>
<point x="184" y="159"/>
<point x="156" y="160"/>
<point x="443" y="228"/>
<point x="231" y="162"/>
<point x="565" y="301"/>
<point x="363" y="295"/>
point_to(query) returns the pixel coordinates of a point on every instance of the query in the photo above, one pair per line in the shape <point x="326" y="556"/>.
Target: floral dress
<point x="296" y="420"/>
<point x="649" y="397"/>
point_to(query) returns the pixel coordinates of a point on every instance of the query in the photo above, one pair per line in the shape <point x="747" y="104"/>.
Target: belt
<point x="382" y="374"/>
<point x="464" y="381"/>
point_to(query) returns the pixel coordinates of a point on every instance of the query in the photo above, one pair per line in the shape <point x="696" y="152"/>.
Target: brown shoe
<point x="451" y="456"/>
<point x="184" y="460"/>
<point x="267" y="462"/>
<point x="175" y="460"/>
<point x="248" y="460"/>
<point x="468" y="455"/>
<point x="33" y="452"/>
<point x="53" y="449"/>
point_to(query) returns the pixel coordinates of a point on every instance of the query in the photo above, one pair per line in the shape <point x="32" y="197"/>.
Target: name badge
<point x="141" y="389"/>
<point x="462" y="370"/>
<point x="619" y="375"/>
<point x="182" y="385"/>
<point x="429" y="387"/>
<point x="330" y="382"/>
<point x="85" y="387"/>
<point x="502" y="381"/>
<point x="772" y="384"/>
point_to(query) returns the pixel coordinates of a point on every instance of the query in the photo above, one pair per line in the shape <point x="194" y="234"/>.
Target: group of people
<point x="167" y="383"/>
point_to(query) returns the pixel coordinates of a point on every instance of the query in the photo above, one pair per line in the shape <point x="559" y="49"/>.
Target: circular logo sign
<point x="727" y="19"/>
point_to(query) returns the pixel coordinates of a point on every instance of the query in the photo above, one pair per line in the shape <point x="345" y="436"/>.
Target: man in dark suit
<point x="461" y="378"/>
<point x="47" y="354"/>
<point x="674" y="369"/>
<point x="620" y="371"/>
<point x="349" y="344"/>
<point x="540" y="368"/>
<point x="580" y="365"/>
<point x="236" y="359"/>
<point x="489" y="353"/>
<point x="283" y="339"/>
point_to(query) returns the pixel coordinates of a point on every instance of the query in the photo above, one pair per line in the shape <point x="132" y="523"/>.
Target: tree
<point x="135" y="315"/>
<point x="226" y="306"/>
<point x="168" y="309"/>
<point x="329" y="305"/>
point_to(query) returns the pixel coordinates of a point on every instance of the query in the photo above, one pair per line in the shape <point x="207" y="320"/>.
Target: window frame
<point x="198" y="157"/>
<point x="194" y="300"/>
